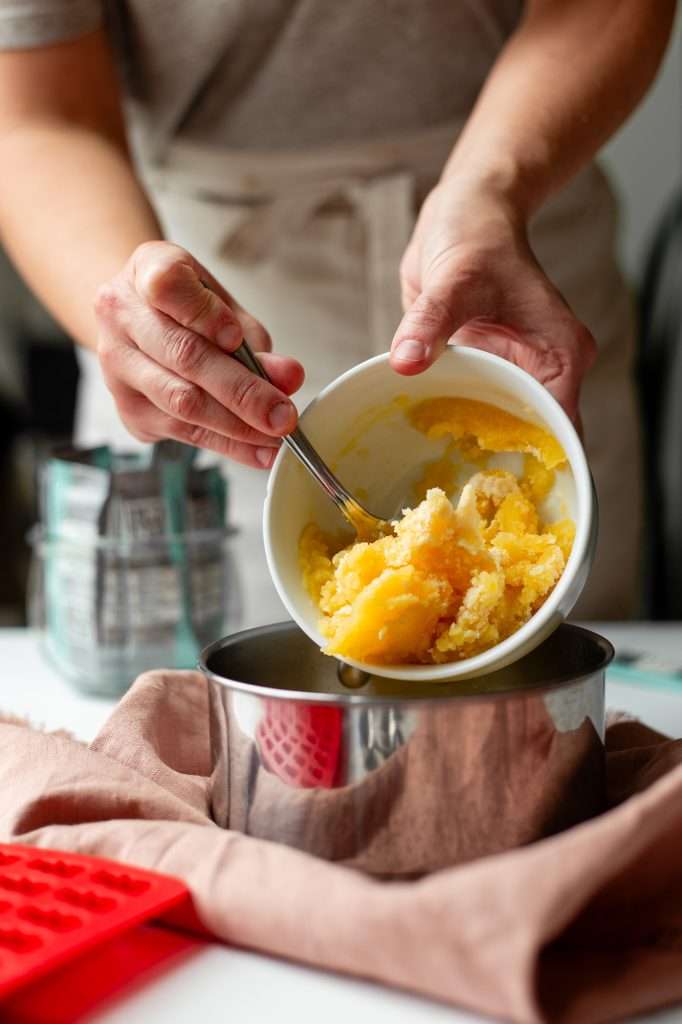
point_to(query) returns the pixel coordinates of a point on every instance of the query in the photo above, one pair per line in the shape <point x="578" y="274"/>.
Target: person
<point x="344" y="176"/>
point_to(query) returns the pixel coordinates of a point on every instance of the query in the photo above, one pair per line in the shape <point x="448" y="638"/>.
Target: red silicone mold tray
<point x="54" y="906"/>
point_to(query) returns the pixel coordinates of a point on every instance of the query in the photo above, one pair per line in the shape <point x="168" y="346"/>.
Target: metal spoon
<point x="350" y="677"/>
<point x="364" y="523"/>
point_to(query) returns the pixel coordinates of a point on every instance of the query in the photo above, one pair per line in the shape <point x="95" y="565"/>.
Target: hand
<point x="468" y="277"/>
<point x="164" y="339"/>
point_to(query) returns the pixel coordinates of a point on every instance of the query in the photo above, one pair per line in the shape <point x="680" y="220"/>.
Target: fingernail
<point x="266" y="456"/>
<point x="410" y="351"/>
<point x="229" y="336"/>
<point x="281" y="416"/>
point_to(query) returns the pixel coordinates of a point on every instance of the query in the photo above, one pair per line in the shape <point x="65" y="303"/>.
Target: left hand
<point x="469" y="277"/>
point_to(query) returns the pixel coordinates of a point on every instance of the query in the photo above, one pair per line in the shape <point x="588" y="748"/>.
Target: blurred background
<point x="38" y="372"/>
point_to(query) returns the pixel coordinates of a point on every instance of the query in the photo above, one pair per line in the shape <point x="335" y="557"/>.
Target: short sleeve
<point x="25" y="24"/>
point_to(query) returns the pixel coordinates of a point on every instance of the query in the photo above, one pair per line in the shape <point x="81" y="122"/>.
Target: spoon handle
<point x="303" y="449"/>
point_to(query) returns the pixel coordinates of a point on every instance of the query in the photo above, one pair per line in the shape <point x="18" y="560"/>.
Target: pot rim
<point x="602" y="661"/>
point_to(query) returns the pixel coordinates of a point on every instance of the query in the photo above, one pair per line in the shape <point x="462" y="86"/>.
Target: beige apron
<point x="310" y="242"/>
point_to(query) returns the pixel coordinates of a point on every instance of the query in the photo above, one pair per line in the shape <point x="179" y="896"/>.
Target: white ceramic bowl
<point x="358" y="425"/>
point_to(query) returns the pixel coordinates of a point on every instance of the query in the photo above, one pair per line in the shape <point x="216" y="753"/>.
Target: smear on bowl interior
<point x="451" y="581"/>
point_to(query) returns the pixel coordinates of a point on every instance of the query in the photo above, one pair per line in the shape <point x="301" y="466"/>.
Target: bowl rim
<point x="540" y="623"/>
<point x="560" y="681"/>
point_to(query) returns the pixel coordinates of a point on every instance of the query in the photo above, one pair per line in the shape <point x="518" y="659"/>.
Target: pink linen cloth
<point x="583" y="927"/>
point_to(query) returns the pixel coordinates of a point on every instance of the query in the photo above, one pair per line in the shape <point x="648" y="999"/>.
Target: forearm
<point x="567" y="79"/>
<point x="71" y="213"/>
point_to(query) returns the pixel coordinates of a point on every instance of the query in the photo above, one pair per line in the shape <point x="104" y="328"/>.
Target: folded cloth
<point x="583" y="927"/>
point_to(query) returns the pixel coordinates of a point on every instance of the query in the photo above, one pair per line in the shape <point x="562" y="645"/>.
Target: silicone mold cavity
<point x="18" y="941"/>
<point x="86" y="899"/>
<point x="52" y="919"/>
<point x="121" y="883"/>
<point x="22" y="885"/>
<point x="58" y="868"/>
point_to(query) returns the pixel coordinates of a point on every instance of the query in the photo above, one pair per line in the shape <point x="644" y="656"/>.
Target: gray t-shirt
<point x="283" y="74"/>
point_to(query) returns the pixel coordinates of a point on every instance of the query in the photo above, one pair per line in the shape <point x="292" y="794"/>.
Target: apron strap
<point x="385" y="204"/>
<point x="388" y="207"/>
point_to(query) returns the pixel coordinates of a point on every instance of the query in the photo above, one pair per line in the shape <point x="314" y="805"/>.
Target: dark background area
<point x="38" y="381"/>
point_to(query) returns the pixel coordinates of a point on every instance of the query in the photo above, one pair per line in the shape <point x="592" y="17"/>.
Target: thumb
<point x="169" y="280"/>
<point x="438" y="311"/>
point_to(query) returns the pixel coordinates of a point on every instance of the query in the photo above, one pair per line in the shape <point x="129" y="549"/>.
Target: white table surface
<point x="220" y="983"/>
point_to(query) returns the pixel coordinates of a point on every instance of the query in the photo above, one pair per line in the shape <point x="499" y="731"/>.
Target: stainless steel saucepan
<point x="399" y="778"/>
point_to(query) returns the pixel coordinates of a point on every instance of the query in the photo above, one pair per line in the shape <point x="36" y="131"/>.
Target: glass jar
<point x="109" y="608"/>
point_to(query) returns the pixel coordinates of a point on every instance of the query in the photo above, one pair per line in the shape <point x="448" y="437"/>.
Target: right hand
<point x="469" y="277"/>
<point x="164" y="342"/>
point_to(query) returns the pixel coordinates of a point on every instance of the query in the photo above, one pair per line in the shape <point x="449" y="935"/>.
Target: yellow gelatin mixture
<point x="450" y="581"/>
<point x="480" y="427"/>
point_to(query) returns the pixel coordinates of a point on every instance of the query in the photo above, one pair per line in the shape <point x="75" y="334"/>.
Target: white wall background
<point x="644" y="160"/>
